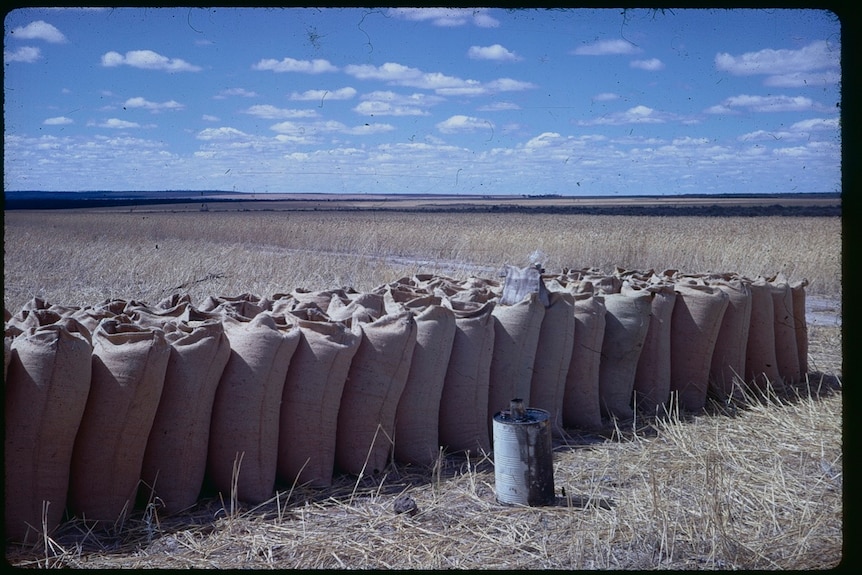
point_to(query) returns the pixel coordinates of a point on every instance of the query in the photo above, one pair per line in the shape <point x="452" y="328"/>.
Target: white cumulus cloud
<point x="116" y="123"/>
<point x="763" y="136"/>
<point x="803" y="79"/>
<point x="494" y="52"/>
<point x="651" y="65"/>
<point x="606" y="48"/>
<point x="636" y="115"/>
<point x="314" y="95"/>
<point x="543" y="140"/>
<point x="400" y="75"/>
<point x="605" y="97"/>
<point x="39" y="30"/>
<point x="640" y="112"/>
<point x="509" y="85"/>
<point x="689" y="141"/>
<point x="799" y="131"/>
<point x="316" y="66"/>
<point x="147" y="60"/>
<point x="387" y="72"/>
<point x="274" y="113"/>
<point x="26" y="54"/>
<point x="223" y="133"/>
<point x="383" y="108"/>
<point x="720" y="109"/>
<point x="235" y="92"/>
<point x="816" y="56"/>
<point x="367" y="129"/>
<point x="769" y="103"/>
<point x="295" y="130"/>
<point x="447" y="17"/>
<point x="58" y="121"/>
<point x="499" y="107"/>
<point x="816" y="124"/>
<point x="461" y="123"/>
<point x="388" y="103"/>
<point x="139" y="102"/>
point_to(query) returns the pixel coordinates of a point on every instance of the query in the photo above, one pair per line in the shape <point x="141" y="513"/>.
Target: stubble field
<point x="759" y="486"/>
<point x="81" y="258"/>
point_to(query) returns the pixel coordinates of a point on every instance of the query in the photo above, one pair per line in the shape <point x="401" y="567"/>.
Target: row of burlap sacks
<point x="121" y="402"/>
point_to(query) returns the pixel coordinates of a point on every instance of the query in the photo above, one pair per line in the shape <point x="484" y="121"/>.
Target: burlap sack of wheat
<point x="420" y="280"/>
<point x="356" y="308"/>
<point x="418" y="411"/>
<point x="761" y="364"/>
<point x="243" y="446"/>
<point x="173" y="300"/>
<point x="31" y="318"/>
<point x="478" y="294"/>
<point x="429" y="283"/>
<point x="35" y="303"/>
<point x="175" y="458"/>
<point x="243" y="306"/>
<point x="375" y="381"/>
<point x="463" y="415"/>
<point x="626" y="324"/>
<point x="91" y="316"/>
<point x="637" y="277"/>
<point x="46" y="388"/>
<point x="797" y="290"/>
<point x="601" y="282"/>
<point x="311" y="399"/>
<point x="786" y="350"/>
<point x="482" y="283"/>
<point x="443" y="287"/>
<point x="581" y="407"/>
<point x="652" y="375"/>
<point x="553" y="358"/>
<point x="403" y="284"/>
<point x="516" y="339"/>
<point x="319" y="298"/>
<point x="65" y="310"/>
<point x="395" y="294"/>
<point x="695" y="324"/>
<point x="33" y="313"/>
<point x="309" y="312"/>
<point x="128" y="374"/>
<point x="728" y="358"/>
<point x="474" y="289"/>
<point x="281" y="303"/>
<point x="116" y="306"/>
<point x="163" y="312"/>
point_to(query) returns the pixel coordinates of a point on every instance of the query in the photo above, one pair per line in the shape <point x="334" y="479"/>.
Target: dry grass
<point x="81" y="258"/>
<point x="751" y="486"/>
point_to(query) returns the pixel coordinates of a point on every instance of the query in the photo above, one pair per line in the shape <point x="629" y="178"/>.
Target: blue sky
<point x="438" y="101"/>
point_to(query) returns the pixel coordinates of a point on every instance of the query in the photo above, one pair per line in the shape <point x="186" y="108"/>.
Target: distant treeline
<point x="79" y="200"/>
<point x="645" y="210"/>
<point x="28" y="200"/>
<point x="74" y="202"/>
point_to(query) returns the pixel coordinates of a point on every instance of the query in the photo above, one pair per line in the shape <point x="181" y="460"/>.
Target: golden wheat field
<point x="81" y="258"/>
<point x="751" y="485"/>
